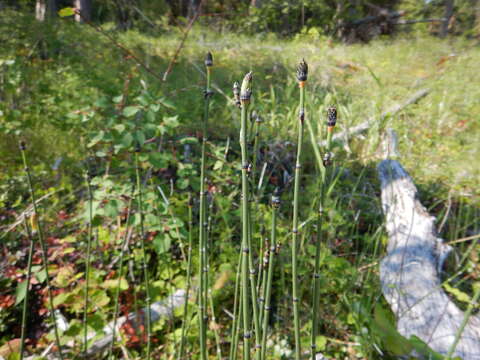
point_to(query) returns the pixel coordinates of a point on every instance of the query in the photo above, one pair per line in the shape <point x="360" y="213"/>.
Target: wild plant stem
<point x="245" y="232"/>
<point x="87" y="262"/>
<point x="43" y="245"/>
<point x="123" y="245"/>
<point x="236" y="312"/>
<point x="29" y="276"/>
<point x="295" y="299"/>
<point x="466" y="317"/>
<point x="203" y="231"/>
<point x="189" y="272"/>
<point x="268" y="288"/>
<point x="144" y="253"/>
<point x="215" y="330"/>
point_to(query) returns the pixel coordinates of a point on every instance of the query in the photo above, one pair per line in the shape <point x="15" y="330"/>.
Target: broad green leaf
<point x="20" y="292"/>
<point x="68" y="11"/>
<point x="130" y="111"/>
<point x="459" y="295"/>
<point x="113" y="283"/>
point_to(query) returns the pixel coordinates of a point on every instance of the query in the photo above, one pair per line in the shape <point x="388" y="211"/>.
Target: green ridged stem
<point x="202" y="299"/>
<point x="189" y="272"/>
<point x="144" y="254"/>
<point x="245" y="233"/>
<point x="43" y="246"/>
<point x="87" y="263"/>
<point x="268" y="289"/>
<point x="29" y="277"/>
<point x="236" y="312"/>
<point x="215" y="331"/>
<point x="123" y="245"/>
<point x="296" y="316"/>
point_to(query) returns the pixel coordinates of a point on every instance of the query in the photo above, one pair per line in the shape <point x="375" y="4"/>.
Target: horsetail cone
<point x="302" y="72"/>
<point x="209" y="59"/>
<point x="246" y="89"/>
<point x="331" y="117"/>
<point x="236" y="93"/>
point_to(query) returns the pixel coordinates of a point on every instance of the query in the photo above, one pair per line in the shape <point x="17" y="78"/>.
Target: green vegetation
<point x="76" y="98"/>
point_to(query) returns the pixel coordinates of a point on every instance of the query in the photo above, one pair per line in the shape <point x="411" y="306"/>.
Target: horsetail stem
<point x="271" y="259"/>
<point x="331" y="122"/>
<point x="214" y="326"/>
<point x="245" y="95"/>
<point x="302" y="73"/>
<point x="236" y="312"/>
<point x="88" y="178"/>
<point x="144" y="252"/>
<point x="189" y="272"/>
<point x="42" y="245"/>
<point x="29" y="276"/>
<point x="203" y="209"/>
<point x="123" y="245"/>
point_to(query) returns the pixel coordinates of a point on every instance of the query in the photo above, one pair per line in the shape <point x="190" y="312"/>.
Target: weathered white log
<point x="364" y="126"/>
<point x="158" y="310"/>
<point x="410" y="273"/>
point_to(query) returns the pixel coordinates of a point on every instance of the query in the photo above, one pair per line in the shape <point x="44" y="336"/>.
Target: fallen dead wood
<point x="355" y="130"/>
<point x="158" y="310"/>
<point x="410" y="273"/>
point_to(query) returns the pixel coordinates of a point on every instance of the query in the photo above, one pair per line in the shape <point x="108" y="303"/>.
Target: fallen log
<point x="158" y="310"/>
<point x="355" y="130"/>
<point x="410" y="273"/>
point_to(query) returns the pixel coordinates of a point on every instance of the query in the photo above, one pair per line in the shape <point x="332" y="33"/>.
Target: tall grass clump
<point x="41" y="239"/>
<point x="302" y="74"/>
<point x="203" y="267"/>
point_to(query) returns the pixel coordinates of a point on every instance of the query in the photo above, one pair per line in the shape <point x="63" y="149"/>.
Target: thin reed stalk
<point x="123" y="245"/>
<point x="302" y="73"/>
<point x="88" y="179"/>
<point x="215" y="328"/>
<point x="189" y="272"/>
<point x="324" y="165"/>
<point x="27" y="291"/>
<point x="245" y="95"/>
<point x="144" y="252"/>
<point x="203" y="218"/>
<point x="43" y="246"/>
<point x="236" y="312"/>
<point x="271" y="259"/>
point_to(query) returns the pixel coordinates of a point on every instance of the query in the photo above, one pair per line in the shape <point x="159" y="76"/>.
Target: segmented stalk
<point x="43" y="246"/>
<point x="123" y="245"/>
<point x="203" y="220"/>
<point x="144" y="252"/>
<point x="331" y="122"/>
<point x="87" y="261"/>
<point x="236" y="312"/>
<point x="245" y="95"/>
<point x="271" y="259"/>
<point x="29" y="276"/>
<point x="189" y="272"/>
<point x="302" y="72"/>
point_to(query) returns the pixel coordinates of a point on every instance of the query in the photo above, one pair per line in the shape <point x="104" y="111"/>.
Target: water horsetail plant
<point x="139" y="198"/>
<point x="27" y="282"/>
<point x="236" y="312"/>
<point x="271" y="258"/>
<point x="203" y="272"/>
<point x="88" y="179"/>
<point x="189" y="272"/>
<point x="43" y="246"/>
<point x="331" y="122"/>
<point x="124" y="246"/>
<point x="245" y="95"/>
<point x="302" y="73"/>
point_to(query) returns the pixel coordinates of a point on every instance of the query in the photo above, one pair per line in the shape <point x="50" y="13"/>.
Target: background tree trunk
<point x="448" y="15"/>
<point x="45" y="9"/>
<point x="85" y="8"/>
